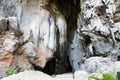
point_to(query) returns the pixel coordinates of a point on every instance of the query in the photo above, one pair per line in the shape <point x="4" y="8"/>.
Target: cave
<point x="70" y="9"/>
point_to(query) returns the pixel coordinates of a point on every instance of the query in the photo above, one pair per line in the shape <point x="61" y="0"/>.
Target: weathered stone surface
<point x="13" y="25"/>
<point x="76" y="52"/>
<point x="101" y="47"/>
<point x="62" y="39"/>
<point x="42" y="56"/>
<point x="117" y="12"/>
<point x="27" y="33"/>
<point x="29" y="75"/>
<point x="10" y="45"/>
<point x="3" y="24"/>
<point x="8" y="60"/>
<point x="28" y="49"/>
<point x="95" y="64"/>
<point x="20" y="63"/>
<point x="81" y="75"/>
<point x="65" y="76"/>
<point x="1" y="8"/>
<point x="98" y="29"/>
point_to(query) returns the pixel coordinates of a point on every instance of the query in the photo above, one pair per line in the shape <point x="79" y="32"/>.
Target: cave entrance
<point x="70" y="9"/>
<point x="56" y="66"/>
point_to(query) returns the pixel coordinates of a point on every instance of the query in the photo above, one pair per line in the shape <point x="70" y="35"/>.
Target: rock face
<point x="95" y="64"/>
<point x="36" y="29"/>
<point x="3" y="24"/>
<point x="9" y="45"/>
<point x="33" y="32"/>
<point x="98" y="31"/>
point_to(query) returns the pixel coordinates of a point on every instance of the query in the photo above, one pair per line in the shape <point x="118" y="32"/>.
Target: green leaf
<point x="108" y="76"/>
<point x="95" y="78"/>
<point x="10" y="72"/>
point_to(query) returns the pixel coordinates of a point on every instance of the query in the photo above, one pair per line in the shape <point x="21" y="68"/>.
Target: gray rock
<point x="102" y="48"/>
<point x="10" y="45"/>
<point x="28" y="49"/>
<point x="81" y="75"/>
<point x="13" y="25"/>
<point x="2" y="75"/>
<point x="3" y="24"/>
<point x="26" y="33"/>
<point x="95" y="64"/>
<point x="76" y="52"/>
<point x="29" y="75"/>
<point x="1" y="8"/>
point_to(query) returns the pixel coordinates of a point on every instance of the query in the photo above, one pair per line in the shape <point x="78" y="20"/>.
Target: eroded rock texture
<point x="39" y="34"/>
<point x="33" y="32"/>
<point x="98" y="31"/>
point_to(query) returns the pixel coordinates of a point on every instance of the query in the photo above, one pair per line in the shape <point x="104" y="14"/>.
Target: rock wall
<point x="98" y="31"/>
<point x="41" y="35"/>
<point x="40" y="30"/>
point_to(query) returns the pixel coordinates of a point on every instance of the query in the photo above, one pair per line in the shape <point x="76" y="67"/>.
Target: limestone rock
<point x="102" y="48"/>
<point x="42" y="56"/>
<point x="81" y="75"/>
<point x="5" y="62"/>
<point x="10" y="45"/>
<point x="1" y="8"/>
<point x="20" y="63"/>
<point x="65" y="76"/>
<point x="27" y="33"/>
<point x="62" y="30"/>
<point x="3" y="24"/>
<point x="28" y="49"/>
<point x="13" y="25"/>
<point x="117" y="12"/>
<point x="76" y="52"/>
<point x="29" y="75"/>
<point x="98" y="27"/>
<point x="95" y="64"/>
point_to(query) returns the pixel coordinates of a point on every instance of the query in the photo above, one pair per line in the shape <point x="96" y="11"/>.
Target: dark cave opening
<point x="70" y="9"/>
<point x="56" y="66"/>
<point x="118" y="58"/>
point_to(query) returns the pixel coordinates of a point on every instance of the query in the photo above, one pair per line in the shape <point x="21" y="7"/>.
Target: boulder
<point x="29" y="75"/>
<point x="95" y="64"/>
<point x="102" y="48"/>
